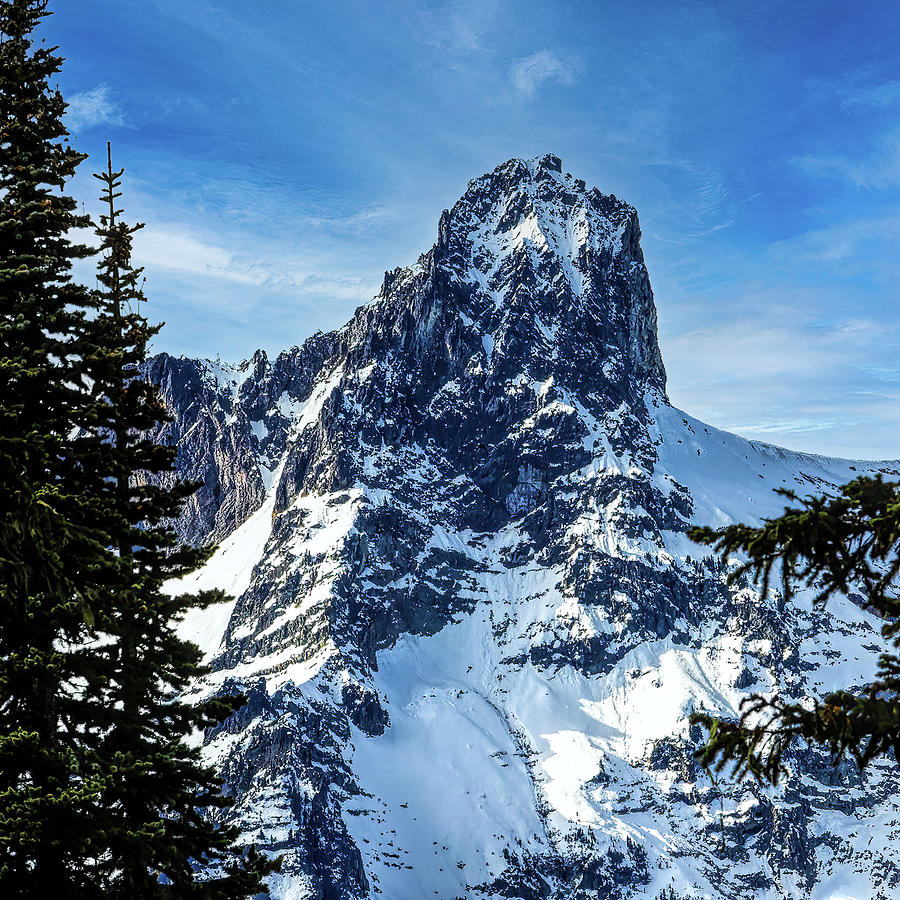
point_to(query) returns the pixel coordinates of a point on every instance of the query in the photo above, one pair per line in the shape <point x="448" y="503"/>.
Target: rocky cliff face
<point x="467" y="614"/>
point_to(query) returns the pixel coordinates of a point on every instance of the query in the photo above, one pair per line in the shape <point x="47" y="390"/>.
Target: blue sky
<point x="284" y="154"/>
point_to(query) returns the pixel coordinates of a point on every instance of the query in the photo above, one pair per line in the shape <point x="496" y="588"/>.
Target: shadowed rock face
<point x="230" y="424"/>
<point x="468" y="617"/>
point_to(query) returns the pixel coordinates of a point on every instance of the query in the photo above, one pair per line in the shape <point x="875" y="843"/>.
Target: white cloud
<point x="783" y="427"/>
<point x="176" y="249"/>
<point x="840" y="249"/>
<point x="879" y="96"/>
<point x="461" y="25"/>
<point x="777" y="374"/>
<point x="879" y="168"/>
<point x="531" y="72"/>
<point x="92" y="108"/>
<point x="362" y="221"/>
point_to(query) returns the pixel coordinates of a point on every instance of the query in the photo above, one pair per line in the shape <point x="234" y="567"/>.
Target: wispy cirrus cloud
<point x="860" y="92"/>
<point x="462" y="25"/>
<point x="180" y="249"/>
<point x="530" y="73"/>
<point x="92" y="108"/>
<point x="842" y="244"/>
<point x="781" y="427"/>
<point x="874" y="96"/>
<point x="176" y="248"/>
<point x="215" y="288"/>
<point x="879" y="168"/>
<point x="776" y="372"/>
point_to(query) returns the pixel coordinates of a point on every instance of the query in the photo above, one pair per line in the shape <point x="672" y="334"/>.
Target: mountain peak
<point x="467" y="618"/>
<point x="533" y="250"/>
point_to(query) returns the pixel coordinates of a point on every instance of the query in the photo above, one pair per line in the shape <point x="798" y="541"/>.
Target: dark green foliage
<point x="832" y="544"/>
<point x="99" y="795"/>
<point x="49" y="782"/>
<point x="155" y="802"/>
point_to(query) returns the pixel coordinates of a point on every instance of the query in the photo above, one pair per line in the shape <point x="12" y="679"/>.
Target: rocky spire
<point x="553" y="271"/>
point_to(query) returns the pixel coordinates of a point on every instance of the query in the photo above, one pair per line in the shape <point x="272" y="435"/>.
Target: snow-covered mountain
<point x="467" y="615"/>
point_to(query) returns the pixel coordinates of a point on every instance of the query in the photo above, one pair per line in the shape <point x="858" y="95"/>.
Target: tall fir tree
<point x="93" y="802"/>
<point x="50" y="536"/>
<point x="162" y="842"/>
<point x="841" y="543"/>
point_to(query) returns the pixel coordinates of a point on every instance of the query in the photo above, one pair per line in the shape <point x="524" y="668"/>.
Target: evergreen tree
<point x="49" y="539"/>
<point x="831" y="544"/>
<point x="93" y="802"/>
<point x="161" y="841"/>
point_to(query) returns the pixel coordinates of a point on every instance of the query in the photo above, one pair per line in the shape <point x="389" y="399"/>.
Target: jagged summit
<point x="553" y="264"/>
<point x="547" y="275"/>
<point x="531" y="205"/>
